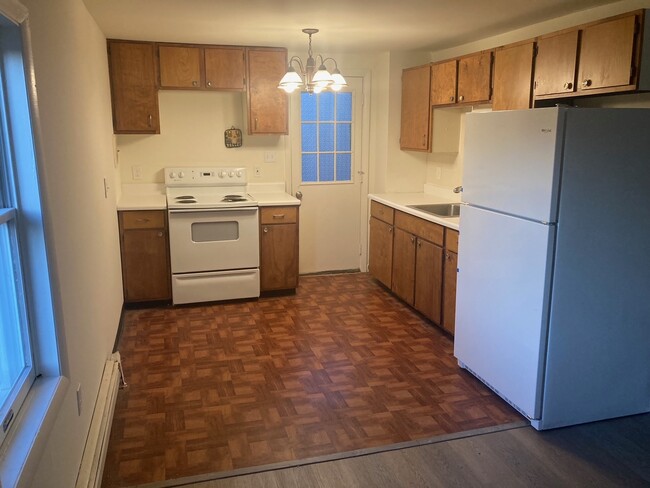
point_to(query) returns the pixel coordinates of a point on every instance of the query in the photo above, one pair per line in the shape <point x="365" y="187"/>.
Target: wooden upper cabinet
<point x="267" y="105"/>
<point x="133" y="87"/>
<point x="607" y="54"/>
<point x="416" y="109"/>
<point x="180" y="66"/>
<point x="443" y="82"/>
<point x="513" y="77"/>
<point x="225" y="68"/>
<point x="474" y="77"/>
<point x="555" y="64"/>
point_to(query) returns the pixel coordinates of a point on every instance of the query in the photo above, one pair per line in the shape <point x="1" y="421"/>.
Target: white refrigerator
<point x="553" y="294"/>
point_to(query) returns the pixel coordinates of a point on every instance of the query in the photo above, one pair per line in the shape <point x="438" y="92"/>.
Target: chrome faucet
<point x="458" y="189"/>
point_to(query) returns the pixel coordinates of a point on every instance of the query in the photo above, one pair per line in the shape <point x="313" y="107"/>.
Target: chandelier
<point x="314" y="80"/>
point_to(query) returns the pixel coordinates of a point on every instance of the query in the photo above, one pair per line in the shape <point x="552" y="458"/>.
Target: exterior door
<point x="329" y="166"/>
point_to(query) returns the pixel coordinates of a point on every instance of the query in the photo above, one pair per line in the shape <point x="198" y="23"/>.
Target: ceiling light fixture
<point x="314" y="80"/>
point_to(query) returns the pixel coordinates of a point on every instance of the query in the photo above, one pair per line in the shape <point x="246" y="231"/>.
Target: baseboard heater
<point x="94" y="455"/>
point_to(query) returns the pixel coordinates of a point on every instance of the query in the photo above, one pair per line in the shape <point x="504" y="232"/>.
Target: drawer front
<point x="142" y="219"/>
<point x="382" y="212"/>
<point x="451" y="240"/>
<point x="278" y="215"/>
<point x="420" y="227"/>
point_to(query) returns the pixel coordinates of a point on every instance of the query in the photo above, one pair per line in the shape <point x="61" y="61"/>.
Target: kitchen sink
<point x="439" y="209"/>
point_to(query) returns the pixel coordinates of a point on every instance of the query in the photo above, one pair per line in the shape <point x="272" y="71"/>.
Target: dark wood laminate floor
<point x="342" y="365"/>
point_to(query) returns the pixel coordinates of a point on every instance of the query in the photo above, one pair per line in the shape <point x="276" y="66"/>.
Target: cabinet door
<point x="474" y="74"/>
<point x="428" y="280"/>
<point x="145" y="265"/>
<point x="555" y="64"/>
<point x="225" y="68"/>
<point x="606" y="54"/>
<point x="279" y="257"/>
<point x="267" y="104"/>
<point x="180" y="66"/>
<point x="380" y="259"/>
<point x="513" y="77"/>
<point x="416" y="109"/>
<point x="449" y="292"/>
<point x="404" y="265"/>
<point x="443" y="82"/>
<point x="133" y="87"/>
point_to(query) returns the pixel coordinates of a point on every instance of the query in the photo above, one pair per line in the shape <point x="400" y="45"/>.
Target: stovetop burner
<point x="183" y="197"/>
<point x="234" y="198"/>
<point x="185" y="200"/>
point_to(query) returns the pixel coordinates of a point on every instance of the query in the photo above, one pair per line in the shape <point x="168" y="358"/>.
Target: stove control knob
<point x="240" y="173"/>
<point x="172" y="175"/>
<point x="231" y="174"/>
<point x="181" y="174"/>
<point x="222" y="174"/>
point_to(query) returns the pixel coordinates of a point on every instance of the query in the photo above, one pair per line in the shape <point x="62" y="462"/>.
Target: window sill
<point x="23" y="447"/>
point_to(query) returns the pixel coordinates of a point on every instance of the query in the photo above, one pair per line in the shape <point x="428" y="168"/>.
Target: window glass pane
<point x="309" y="138"/>
<point x="326" y="106"/>
<point x="308" y="106"/>
<point x="343" y="137"/>
<point x="12" y="354"/>
<point x="309" y="167"/>
<point x="344" y="167"/>
<point x="344" y="106"/>
<point x="326" y="137"/>
<point x="326" y="167"/>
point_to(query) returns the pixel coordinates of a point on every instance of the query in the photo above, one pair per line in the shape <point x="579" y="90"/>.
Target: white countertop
<point x="152" y="196"/>
<point x="400" y="201"/>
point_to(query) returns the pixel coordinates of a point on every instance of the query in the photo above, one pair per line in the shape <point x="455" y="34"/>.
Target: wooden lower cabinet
<point x="449" y="281"/>
<point x="145" y="255"/>
<point x="428" y="280"/>
<point x="279" y="249"/>
<point x="404" y="265"/>
<point x="380" y="260"/>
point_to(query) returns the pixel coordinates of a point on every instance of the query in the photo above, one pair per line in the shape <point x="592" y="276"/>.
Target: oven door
<point x="213" y="239"/>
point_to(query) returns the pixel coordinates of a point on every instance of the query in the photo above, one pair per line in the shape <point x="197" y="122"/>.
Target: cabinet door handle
<point x="419" y="244"/>
<point x="568" y="85"/>
<point x="461" y="98"/>
<point x="209" y="83"/>
<point x="390" y="229"/>
<point x="413" y="239"/>
<point x="266" y="230"/>
<point x="142" y="221"/>
<point x="451" y="98"/>
<point x="586" y="83"/>
<point x="150" y="120"/>
<point x="278" y="216"/>
<point x="195" y="83"/>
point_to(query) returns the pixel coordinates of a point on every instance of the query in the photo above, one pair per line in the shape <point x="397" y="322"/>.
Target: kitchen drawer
<point x="142" y="219"/>
<point x="451" y="237"/>
<point x="382" y="212"/>
<point x="278" y="215"/>
<point x="420" y="227"/>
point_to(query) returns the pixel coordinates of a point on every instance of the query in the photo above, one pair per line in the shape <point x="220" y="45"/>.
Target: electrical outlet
<point x="79" y="399"/>
<point x="258" y="172"/>
<point x="269" y="157"/>
<point x="136" y="172"/>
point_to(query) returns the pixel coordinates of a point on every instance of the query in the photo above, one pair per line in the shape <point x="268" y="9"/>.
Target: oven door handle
<point x="221" y="209"/>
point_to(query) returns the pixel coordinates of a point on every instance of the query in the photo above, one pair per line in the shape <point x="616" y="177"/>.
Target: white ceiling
<point x="345" y="25"/>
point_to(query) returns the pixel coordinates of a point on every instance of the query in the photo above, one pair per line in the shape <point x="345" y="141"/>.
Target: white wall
<point x="77" y="147"/>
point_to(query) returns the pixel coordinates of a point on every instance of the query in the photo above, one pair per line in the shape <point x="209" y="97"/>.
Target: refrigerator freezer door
<point x="502" y="303"/>
<point x="509" y="162"/>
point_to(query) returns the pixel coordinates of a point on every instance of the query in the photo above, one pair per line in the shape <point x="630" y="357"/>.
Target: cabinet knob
<point x="150" y="120"/>
<point x="209" y="83"/>
<point x="419" y="244"/>
<point x="568" y="85"/>
<point x="278" y="216"/>
<point x="586" y="83"/>
<point x="390" y="229"/>
<point x="451" y="98"/>
<point x="413" y="239"/>
<point x="266" y="230"/>
<point x="195" y="83"/>
<point x="461" y="98"/>
<point x="160" y="234"/>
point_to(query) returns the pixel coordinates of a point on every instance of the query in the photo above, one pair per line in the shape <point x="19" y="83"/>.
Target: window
<point x="23" y="265"/>
<point x="326" y="128"/>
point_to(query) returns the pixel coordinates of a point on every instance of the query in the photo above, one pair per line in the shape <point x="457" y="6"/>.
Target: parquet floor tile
<point x="339" y="366"/>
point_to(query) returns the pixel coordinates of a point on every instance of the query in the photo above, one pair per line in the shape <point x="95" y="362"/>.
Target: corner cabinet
<point x="279" y="250"/>
<point x="145" y="255"/>
<point x="416" y="109"/>
<point x="133" y="87"/>
<point x="268" y="106"/>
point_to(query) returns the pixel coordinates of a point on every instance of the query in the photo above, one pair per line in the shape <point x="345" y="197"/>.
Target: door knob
<point x="299" y="195"/>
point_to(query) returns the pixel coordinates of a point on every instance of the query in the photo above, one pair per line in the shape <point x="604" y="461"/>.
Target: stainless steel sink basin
<point x="439" y="209"/>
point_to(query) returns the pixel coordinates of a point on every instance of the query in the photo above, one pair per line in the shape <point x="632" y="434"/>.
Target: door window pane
<point x="326" y="138"/>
